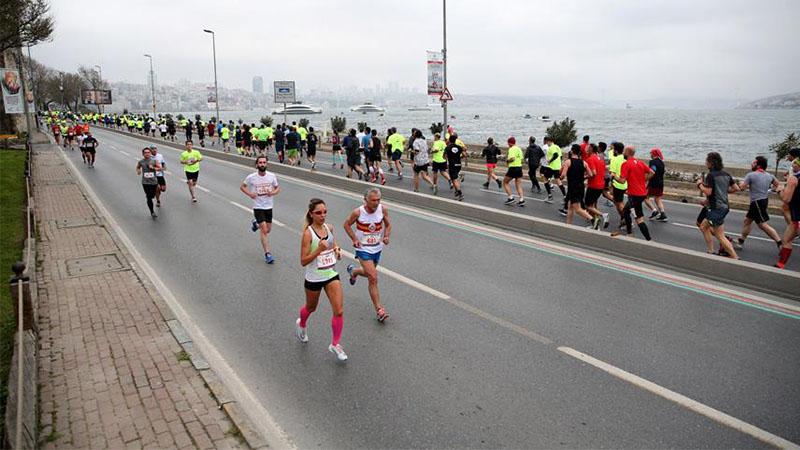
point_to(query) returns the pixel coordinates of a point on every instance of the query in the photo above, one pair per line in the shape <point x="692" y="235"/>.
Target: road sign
<point x="446" y="95"/>
<point x="284" y="92"/>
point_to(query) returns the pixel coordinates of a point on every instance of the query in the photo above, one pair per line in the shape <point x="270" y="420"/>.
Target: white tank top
<point x="369" y="229"/>
<point x="323" y="268"/>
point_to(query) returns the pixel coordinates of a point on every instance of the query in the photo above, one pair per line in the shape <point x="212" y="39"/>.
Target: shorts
<point x="592" y="195"/>
<point x="364" y="256"/>
<point x="701" y="216"/>
<point x="225" y="141"/>
<point x="163" y="134"/>
<point x="291" y="152"/>
<point x="336" y="147"/>
<point x="439" y="166"/>
<point x="316" y="286"/>
<point x="422" y="168"/>
<point x="352" y="163"/>
<point x="635" y="203"/>
<point x="396" y="155"/>
<point x="161" y="180"/>
<point x="514" y="172"/>
<point x="90" y="150"/>
<point x="547" y="172"/>
<point x="619" y="195"/>
<point x="263" y="215"/>
<point x="311" y="151"/>
<point x="262" y="145"/>
<point x="575" y="194"/>
<point x="192" y="176"/>
<point x="655" y="191"/>
<point x="491" y="165"/>
<point x="758" y="211"/>
<point x="716" y="216"/>
<point x="150" y="190"/>
<point x="453" y="171"/>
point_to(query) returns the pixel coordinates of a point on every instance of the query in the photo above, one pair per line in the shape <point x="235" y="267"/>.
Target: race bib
<point x="149" y="175"/>
<point x="192" y="161"/>
<point x="371" y="239"/>
<point x="326" y="260"/>
<point x="263" y="189"/>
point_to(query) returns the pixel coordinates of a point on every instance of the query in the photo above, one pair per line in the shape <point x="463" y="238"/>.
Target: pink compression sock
<point x="304" y="316"/>
<point x="337" y="323"/>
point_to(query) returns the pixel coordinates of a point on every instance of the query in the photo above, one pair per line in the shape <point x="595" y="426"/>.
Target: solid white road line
<point x="682" y="400"/>
<point x="759" y="238"/>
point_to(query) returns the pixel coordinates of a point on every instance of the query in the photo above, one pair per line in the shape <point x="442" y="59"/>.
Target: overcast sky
<point x="595" y="49"/>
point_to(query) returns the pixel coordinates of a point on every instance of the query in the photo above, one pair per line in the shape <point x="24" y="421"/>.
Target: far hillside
<point x="785" y="101"/>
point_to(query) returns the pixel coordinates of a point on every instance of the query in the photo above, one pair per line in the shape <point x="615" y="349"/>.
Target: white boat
<point x="297" y="109"/>
<point x="419" y="108"/>
<point x="545" y="118"/>
<point x="367" y="107"/>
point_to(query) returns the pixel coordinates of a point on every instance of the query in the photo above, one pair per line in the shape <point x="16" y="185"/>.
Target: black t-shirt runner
<point x="490" y="153"/>
<point x="89" y="143"/>
<point x="375" y="151"/>
<point x="657" y="180"/>
<point x="453" y="152"/>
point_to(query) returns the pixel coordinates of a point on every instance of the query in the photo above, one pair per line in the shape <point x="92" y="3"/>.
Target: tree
<point x="267" y="121"/>
<point x="563" y="133"/>
<point x="24" y="22"/>
<point x="213" y="119"/>
<point x="197" y="117"/>
<point x="180" y="117"/>
<point x="361" y="126"/>
<point x="781" y="149"/>
<point x="91" y="77"/>
<point x="436" y="128"/>
<point x="338" y="124"/>
<point x="303" y="122"/>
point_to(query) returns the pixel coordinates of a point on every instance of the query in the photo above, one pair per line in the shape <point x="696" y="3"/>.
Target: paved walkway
<point x="111" y="373"/>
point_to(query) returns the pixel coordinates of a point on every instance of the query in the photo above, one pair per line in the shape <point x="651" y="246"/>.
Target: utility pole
<point x="34" y="90"/>
<point x="152" y="84"/>
<point x="216" y="89"/>
<point x="29" y="143"/>
<point x="444" y="60"/>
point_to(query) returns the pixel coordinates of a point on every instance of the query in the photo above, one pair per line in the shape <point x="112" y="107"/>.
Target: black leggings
<point x="150" y="193"/>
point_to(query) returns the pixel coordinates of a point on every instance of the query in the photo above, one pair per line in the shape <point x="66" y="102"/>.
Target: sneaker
<point x="499" y="184"/>
<point x="435" y="190"/>
<point x="153" y="215"/>
<point x="353" y="279"/>
<point x="521" y="202"/>
<point x="780" y="265"/>
<point x="382" y="315"/>
<point x="300" y="332"/>
<point x="779" y="244"/>
<point x="400" y="176"/>
<point x="596" y="222"/>
<point x="738" y="244"/>
<point x="486" y="185"/>
<point x="563" y="211"/>
<point x="662" y="218"/>
<point x="451" y="184"/>
<point x="549" y="198"/>
<point x="509" y="201"/>
<point x="268" y="258"/>
<point x="604" y="221"/>
<point x="383" y="181"/>
<point x="338" y="351"/>
<point x="194" y="199"/>
<point x="461" y="177"/>
<point x="314" y="165"/>
<point x="460" y="197"/>
<point x="341" y="166"/>
<point x="158" y="204"/>
<point x="654" y="214"/>
<point x="254" y="225"/>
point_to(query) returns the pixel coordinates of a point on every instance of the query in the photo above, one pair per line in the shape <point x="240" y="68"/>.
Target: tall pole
<point x="152" y="84"/>
<point x="34" y="89"/>
<point x="444" y="60"/>
<point x="29" y="142"/>
<point x="216" y="89"/>
<point x="100" y="74"/>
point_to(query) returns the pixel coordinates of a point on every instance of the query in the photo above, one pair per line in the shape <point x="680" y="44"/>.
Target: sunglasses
<point x="320" y="213"/>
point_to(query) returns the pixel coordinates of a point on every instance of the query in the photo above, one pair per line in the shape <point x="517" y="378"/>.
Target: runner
<point x="421" y="160"/>
<point x="311" y="152"/>
<point x="759" y="182"/>
<point x="655" y="187"/>
<point x="71" y="133"/>
<point x="791" y="198"/>
<point x="225" y="135"/>
<point x="439" y="162"/>
<point x="351" y="144"/>
<point x="190" y="159"/>
<point x="374" y="158"/>
<point x="552" y="168"/>
<point x="596" y="185"/>
<point x="147" y="167"/>
<point x="514" y="161"/>
<point x="171" y="129"/>
<point x="635" y="175"/>
<point x="576" y="171"/>
<point x="336" y="152"/>
<point x="491" y="152"/>
<point x="454" y="152"/>
<point x="238" y="141"/>
<point x="319" y="254"/>
<point x="303" y="132"/>
<point x="210" y="129"/>
<point x="280" y="143"/>
<point x="618" y="188"/>
<point x="162" y="128"/>
<point x="262" y="186"/>
<point x="292" y="145"/>
<point x="371" y="235"/>
<point x="201" y="132"/>
<point x="716" y="186"/>
<point x="396" y="145"/>
<point x="534" y="155"/>
<point x="162" y="182"/>
<point x="89" y="146"/>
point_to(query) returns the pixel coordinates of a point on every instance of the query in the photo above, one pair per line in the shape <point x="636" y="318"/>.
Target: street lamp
<point x="444" y="62"/>
<point x="152" y="84"/>
<point x="216" y="89"/>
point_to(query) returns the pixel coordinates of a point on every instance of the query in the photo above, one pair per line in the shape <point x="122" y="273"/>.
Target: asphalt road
<point x="477" y="352"/>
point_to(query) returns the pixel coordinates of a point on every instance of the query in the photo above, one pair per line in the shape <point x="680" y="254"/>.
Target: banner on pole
<point x="12" y="91"/>
<point x="211" y="94"/>
<point x="435" y="73"/>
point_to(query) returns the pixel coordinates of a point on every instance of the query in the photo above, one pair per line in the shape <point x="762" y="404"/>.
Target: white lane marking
<point x="759" y="238"/>
<point x="682" y="400"/>
<point x="125" y="153"/>
<point x="203" y="189"/>
<point x="255" y="411"/>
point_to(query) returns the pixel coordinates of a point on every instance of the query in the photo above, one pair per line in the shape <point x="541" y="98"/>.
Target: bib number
<point x="263" y="189"/>
<point x="149" y="175"/>
<point x="371" y="239"/>
<point x="326" y="260"/>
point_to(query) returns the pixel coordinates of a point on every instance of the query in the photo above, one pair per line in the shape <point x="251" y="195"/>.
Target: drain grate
<point x="75" y="222"/>
<point x="91" y="265"/>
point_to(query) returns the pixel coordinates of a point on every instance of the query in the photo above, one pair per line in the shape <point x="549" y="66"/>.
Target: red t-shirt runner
<point x="599" y="168"/>
<point x="634" y="172"/>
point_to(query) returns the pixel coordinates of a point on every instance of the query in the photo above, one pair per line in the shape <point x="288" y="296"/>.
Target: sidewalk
<point x="111" y="374"/>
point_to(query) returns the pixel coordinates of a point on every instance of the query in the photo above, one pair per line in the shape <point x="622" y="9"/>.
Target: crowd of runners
<point x="583" y="175"/>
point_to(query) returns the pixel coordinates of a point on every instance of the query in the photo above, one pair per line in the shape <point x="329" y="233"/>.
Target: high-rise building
<point x="258" y="85"/>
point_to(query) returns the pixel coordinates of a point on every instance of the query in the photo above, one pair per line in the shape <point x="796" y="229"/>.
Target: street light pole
<point x="100" y="75"/>
<point x="216" y="89"/>
<point x="152" y="84"/>
<point x="444" y="61"/>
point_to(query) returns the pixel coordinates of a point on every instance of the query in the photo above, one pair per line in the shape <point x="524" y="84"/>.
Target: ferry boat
<point x="367" y="107"/>
<point x="419" y="108"/>
<point x="297" y="109"/>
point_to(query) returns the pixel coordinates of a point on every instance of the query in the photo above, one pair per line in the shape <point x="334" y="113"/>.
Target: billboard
<point x="284" y="92"/>
<point x="435" y="73"/>
<point x="95" y="96"/>
<point x="211" y="94"/>
<point x="12" y="91"/>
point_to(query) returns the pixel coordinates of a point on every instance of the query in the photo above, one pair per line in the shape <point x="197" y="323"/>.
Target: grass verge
<point x="12" y="240"/>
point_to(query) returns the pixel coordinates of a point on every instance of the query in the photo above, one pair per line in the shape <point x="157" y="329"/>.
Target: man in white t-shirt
<point x="162" y="182"/>
<point x="261" y="186"/>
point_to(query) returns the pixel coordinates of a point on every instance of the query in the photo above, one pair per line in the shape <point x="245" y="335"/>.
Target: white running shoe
<point x="300" y="332"/>
<point x="338" y="351"/>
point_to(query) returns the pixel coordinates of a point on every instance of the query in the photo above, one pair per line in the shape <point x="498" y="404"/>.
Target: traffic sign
<point x="446" y="96"/>
<point x="284" y="92"/>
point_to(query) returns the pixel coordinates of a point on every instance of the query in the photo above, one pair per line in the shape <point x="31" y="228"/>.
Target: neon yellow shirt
<point x="225" y="133"/>
<point x="553" y="149"/>
<point x="516" y="153"/>
<point x="302" y="132"/>
<point x="437" y="151"/>
<point x="615" y="166"/>
<point x="192" y="158"/>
